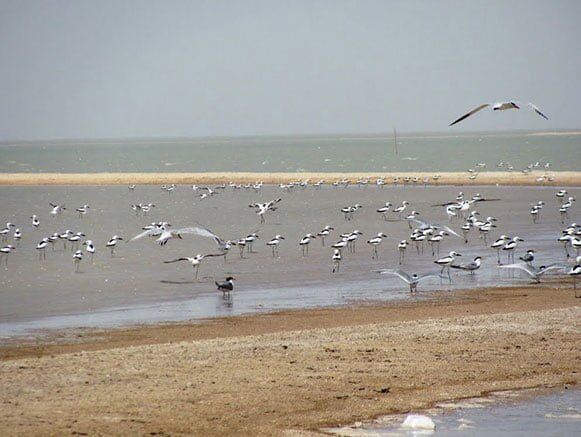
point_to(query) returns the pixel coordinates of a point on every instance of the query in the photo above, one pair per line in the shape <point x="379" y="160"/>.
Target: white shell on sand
<point x="417" y="421"/>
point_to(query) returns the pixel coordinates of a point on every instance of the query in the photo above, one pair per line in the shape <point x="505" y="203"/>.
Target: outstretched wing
<point x="446" y="228"/>
<point x="399" y="273"/>
<point x="176" y="260"/>
<point x="554" y="266"/>
<point x="152" y="232"/>
<point x="191" y="230"/>
<point x="430" y="275"/>
<point x="213" y="254"/>
<point x="520" y="266"/>
<point x="537" y="110"/>
<point x="474" y="111"/>
<point x="205" y="232"/>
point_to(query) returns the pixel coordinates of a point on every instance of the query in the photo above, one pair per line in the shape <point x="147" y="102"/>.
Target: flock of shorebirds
<point x="423" y="234"/>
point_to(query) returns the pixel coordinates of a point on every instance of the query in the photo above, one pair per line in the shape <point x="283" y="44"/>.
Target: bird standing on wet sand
<point x="112" y="243"/>
<point x="227" y="286"/>
<point x="77" y="258"/>
<point x="274" y="243"/>
<point x="446" y="262"/>
<point x="471" y="267"/>
<point x="325" y="233"/>
<point x="304" y="243"/>
<point x="336" y="260"/>
<point x="376" y="241"/>
<point x="4" y="252"/>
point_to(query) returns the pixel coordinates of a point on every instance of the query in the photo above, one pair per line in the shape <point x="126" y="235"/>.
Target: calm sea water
<point x="334" y="153"/>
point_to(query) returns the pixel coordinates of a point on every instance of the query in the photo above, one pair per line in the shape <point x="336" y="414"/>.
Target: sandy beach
<point x="563" y="178"/>
<point x="302" y="370"/>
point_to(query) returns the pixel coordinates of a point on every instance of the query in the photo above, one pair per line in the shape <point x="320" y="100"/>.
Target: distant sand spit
<point x="565" y="178"/>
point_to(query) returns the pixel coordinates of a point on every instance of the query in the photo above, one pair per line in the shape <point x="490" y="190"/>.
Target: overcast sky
<point x="115" y="69"/>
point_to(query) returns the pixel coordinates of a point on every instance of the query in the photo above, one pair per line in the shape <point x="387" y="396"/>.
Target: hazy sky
<point x="111" y="69"/>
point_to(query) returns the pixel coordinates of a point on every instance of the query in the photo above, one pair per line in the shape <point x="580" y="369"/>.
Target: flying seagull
<point x="413" y="279"/>
<point x="501" y="106"/>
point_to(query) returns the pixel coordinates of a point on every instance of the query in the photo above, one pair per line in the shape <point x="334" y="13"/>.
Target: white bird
<point x="112" y="243"/>
<point x="165" y="234"/>
<point x="6" y="231"/>
<point x="82" y="210"/>
<point x="17" y="236"/>
<point x="411" y="280"/>
<point x="77" y="258"/>
<point x="56" y="209"/>
<point x="90" y="248"/>
<point x="376" y="241"/>
<point x="535" y="272"/>
<point x="499" y="244"/>
<point x="5" y="251"/>
<point x="304" y="243"/>
<point x="274" y="243"/>
<point x="35" y="221"/>
<point x="384" y="210"/>
<point x="41" y="247"/>
<point x="446" y="261"/>
<point x="195" y="261"/>
<point x="510" y="246"/>
<point x="325" y="233"/>
<point x="471" y="267"/>
<point x="402" y="208"/>
<point x="574" y="272"/>
<point x="501" y="106"/>
<point x="402" y="246"/>
<point x="336" y="260"/>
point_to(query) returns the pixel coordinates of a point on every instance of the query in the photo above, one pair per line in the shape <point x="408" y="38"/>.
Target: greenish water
<point x="334" y="153"/>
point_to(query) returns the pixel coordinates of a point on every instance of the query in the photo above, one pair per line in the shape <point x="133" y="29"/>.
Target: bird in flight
<point x="500" y="106"/>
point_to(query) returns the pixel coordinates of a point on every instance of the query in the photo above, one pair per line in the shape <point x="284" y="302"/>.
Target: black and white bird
<point x="574" y="272"/>
<point x="4" y="252"/>
<point x="325" y="233"/>
<point x="82" y="210"/>
<point x="413" y="279"/>
<point x="41" y="247"/>
<point x="401" y="247"/>
<point x="510" y="246"/>
<point x="90" y="248"/>
<point x="35" y="221"/>
<point x="304" y="243"/>
<point x="384" y="210"/>
<point x="400" y="209"/>
<point x="17" y="236"/>
<point x="528" y="257"/>
<point x="4" y="233"/>
<point x="499" y="244"/>
<point x="471" y="267"/>
<point x="263" y="208"/>
<point x="501" y="106"/>
<point x="446" y="262"/>
<point x="535" y="272"/>
<point x="56" y="209"/>
<point x="227" y="286"/>
<point x="336" y="260"/>
<point x="274" y="243"/>
<point x="164" y="234"/>
<point x="375" y="242"/>
<point x="75" y="239"/>
<point x="77" y="258"/>
<point x="194" y="261"/>
<point x="349" y="211"/>
<point x="112" y="243"/>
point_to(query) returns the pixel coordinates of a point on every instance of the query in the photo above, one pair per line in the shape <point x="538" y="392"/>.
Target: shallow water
<point x="501" y="414"/>
<point x="331" y="153"/>
<point x="135" y="286"/>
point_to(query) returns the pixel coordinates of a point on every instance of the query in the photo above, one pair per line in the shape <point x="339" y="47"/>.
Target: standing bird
<point x="501" y="106"/>
<point x="376" y="241"/>
<point x="336" y="260"/>
<point x="227" y="286"/>
<point x="528" y="257"/>
<point x="77" y="258"/>
<point x="574" y="272"/>
<point x="82" y="210"/>
<point x="17" y="236"/>
<point x="325" y="233"/>
<point x="112" y="243"/>
<point x="304" y="243"/>
<point x="195" y="261"/>
<point x="35" y="221"/>
<point x="411" y="280"/>
<point x="509" y="248"/>
<point x="402" y="246"/>
<point x="90" y="248"/>
<point x="6" y="231"/>
<point x="4" y="252"/>
<point x="402" y="208"/>
<point x="274" y="243"/>
<point x="41" y="247"/>
<point x="471" y="267"/>
<point x="384" y="210"/>
<point x="446" y="262"/>
<point x="499" y="244"/>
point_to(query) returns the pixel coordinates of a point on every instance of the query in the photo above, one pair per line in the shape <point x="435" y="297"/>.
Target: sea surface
<point x="332" y="153"/>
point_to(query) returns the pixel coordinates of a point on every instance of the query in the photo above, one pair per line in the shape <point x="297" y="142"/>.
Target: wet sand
<point x="300" y="370"/>
<point x="136" y="287"/>
<point x="561" y="178"/>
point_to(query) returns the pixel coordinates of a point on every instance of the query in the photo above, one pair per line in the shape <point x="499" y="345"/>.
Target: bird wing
<point x="213" y="254"/>
<point x="205" y="232"/>
<point x="523" y="267"/>
<point x="399" y="273"/>
<point x="446" y="228"/>
<point x="537" y="110"/>
<point x="152" y="232"/>
<point x="191" y="230"/>
<point x="429" y="275"/>
<point x="176" y="260"/>
<point x="554" y="266"/>
<point x="422" y="224"/>
<point x="474" y="111"/>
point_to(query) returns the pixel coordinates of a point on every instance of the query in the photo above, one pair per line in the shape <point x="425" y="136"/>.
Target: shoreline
<point x="303" y="370"/>
<point x="564" y="178"/>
